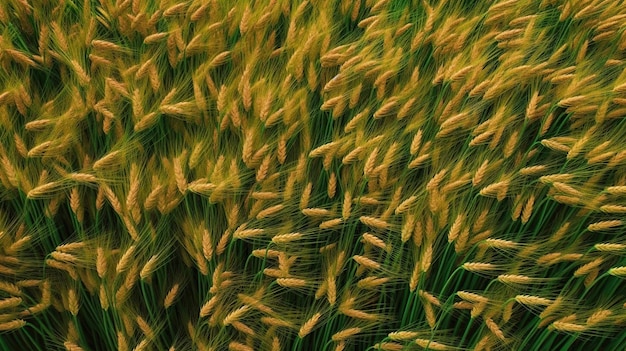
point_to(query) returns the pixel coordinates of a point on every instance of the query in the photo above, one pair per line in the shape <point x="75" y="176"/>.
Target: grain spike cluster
<point x="319" y="174"/>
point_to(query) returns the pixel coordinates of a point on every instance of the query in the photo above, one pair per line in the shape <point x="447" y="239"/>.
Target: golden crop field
<point x="312" y="175"/>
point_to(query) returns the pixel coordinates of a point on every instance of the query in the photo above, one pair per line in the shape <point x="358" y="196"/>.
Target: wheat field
<point x="312" y="175"/>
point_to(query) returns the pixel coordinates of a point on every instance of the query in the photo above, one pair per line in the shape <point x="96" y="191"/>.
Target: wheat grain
<point x="145" y="328"/>
<point x="237" y="346"/>
<point x="264" y="195"/>
<point x="83" y="178"/>
<point x="587" y="268"/>
<point x="243" y="328"/>
<point x="72" y="346"/>
<point x="76" y="204"/>
<point x="618" y="271"/>
<point x="427" y="258"/>
<point x="598" y="317"/>
<point x="604" y="225"/>
<point x="149" y="267"/>
<point x="405" y="205"/>
<point x="64" y="267"/>
<point x="206" y="189"/>
<point x="432" y="345"/>
<point x="549" y="258"/>
<point x="407" y="228"/>
<point x="171" y="296"/>
<point x="10" y="302"/>
<point x="331" y="223"/>
<point x="463" y="305"/>
<point x="306" y="194"/>
<point x="530" y="300"/>
<point x="347" y="205"/>
<point x="276" y="344"/>
<point x="613" y="209"/>
<point x="389" y="346"/>
<point x="276" y="322"/>
<point x="122" y="344"/>
<point x="569" y="327"/>
<point x="29" y="283"/>
<point x="372" y="282"/>
<point x="101" y="262"/>
<point x="602" y="158"/>
<point x="533" y="170"/>
<point x="247" y="233"/>
<point x="366" y="262"/>
<point x="64" y="257"/>
<point x="369" y="166"/>
<point x="332" y="185"/>
<point x="291" y="282"/>
<point x="309" y="325"/>
<point x="429" y="312"/>
<point x="374" y="223"/>
<point x="514" y="279"/>
<point x="430" y="298"/>
<point x="270" y="211"/>
<point x="495" y="189"/>
<point x="616" y="190"/>
<point x="346" y="333"/>
<point x="479" y="267"/>
<point x="12" y="325"/>
<point x="477" y="309"/>
<point x="455" y="229"/>
<point x="220" y="59"/>
<point x="208" y="307"/>
<point x="566" y="189"/>
<point x="387" y="109"/>
<point x="472" y="297"/>
<point x="148" y="120"/>
<point x="153" y="196"/>
<point x="461" y="242"/>
<point x="73" y="304"/>
<point x="18" y="245"/>
<point x="126" y="259"/>
<point x="262" y="253"/>
<point x="610" y="247"/>
<point x="316" y="212"/>
<point x="286" y="238"/>
<point x="112" y="198"/>
<point x="403" y="335"/>
<point x="44" y="191"/>
<point x="495" y="329"/>
<point x="357" y="314"/>
<point x="374" y="241"/>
